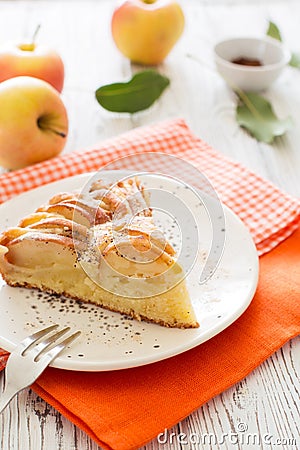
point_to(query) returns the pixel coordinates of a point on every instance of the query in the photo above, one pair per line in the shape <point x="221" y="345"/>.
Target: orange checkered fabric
<point x="270" y="215"/>
<point x="3" y="358"/>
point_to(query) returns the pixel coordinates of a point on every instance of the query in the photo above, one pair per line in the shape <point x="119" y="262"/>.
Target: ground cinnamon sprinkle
<point x="247" y="62"/>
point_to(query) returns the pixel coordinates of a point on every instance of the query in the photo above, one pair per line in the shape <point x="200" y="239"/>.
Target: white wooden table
<point x="267" y="402"/>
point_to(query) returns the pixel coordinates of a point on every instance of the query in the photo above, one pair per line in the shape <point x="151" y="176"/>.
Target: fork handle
<point x="7" y="396"/>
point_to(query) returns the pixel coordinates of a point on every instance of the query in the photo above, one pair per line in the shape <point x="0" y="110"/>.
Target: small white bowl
<point x="271" y="53"/>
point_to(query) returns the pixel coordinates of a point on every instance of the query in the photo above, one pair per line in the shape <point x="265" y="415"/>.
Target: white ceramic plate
<point x="110" y="341"/>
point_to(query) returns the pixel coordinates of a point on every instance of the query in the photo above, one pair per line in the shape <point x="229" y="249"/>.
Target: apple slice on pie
<point x="101" y="247"/>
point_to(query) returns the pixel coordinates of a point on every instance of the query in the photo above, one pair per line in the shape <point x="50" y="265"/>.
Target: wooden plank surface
<point x="263" y="410"/>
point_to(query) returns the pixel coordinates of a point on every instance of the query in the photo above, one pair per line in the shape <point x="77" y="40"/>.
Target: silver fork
<point x="28" y="360"/>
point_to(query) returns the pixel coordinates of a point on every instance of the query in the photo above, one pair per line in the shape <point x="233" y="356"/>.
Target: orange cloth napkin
<point x="125" y="409"/>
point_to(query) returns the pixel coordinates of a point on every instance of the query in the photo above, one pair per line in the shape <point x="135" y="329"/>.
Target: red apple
<point x="145" y="31"/>
<point x="33" y="122"/>
<point x="32" y="60"/>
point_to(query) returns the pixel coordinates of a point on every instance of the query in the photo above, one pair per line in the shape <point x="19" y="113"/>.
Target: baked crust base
<point x="131" y="313"/>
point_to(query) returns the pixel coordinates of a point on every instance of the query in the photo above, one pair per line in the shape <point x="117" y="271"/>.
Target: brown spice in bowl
<point x="242" y="61"/>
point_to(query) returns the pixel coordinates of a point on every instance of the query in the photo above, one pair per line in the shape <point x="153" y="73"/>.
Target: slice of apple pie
<point x="100" y="247"/>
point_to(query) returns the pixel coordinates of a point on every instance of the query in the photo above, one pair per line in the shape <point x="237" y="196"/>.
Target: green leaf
<point x="255" y="114"/>
<point x="295" y="60"/>
<point x="137" y="94"/>
<point x="273" y="31"/>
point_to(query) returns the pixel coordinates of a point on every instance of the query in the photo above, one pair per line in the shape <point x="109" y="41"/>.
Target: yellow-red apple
<point x="32" y="60"/>
<point x="33" y="122"/>
<point x="145" y="31"/>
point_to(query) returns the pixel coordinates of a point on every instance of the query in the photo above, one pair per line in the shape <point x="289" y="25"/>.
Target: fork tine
<point x="45" y="344"/>
<point x="29" y="340"/>
<point x="59" y="347"/>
